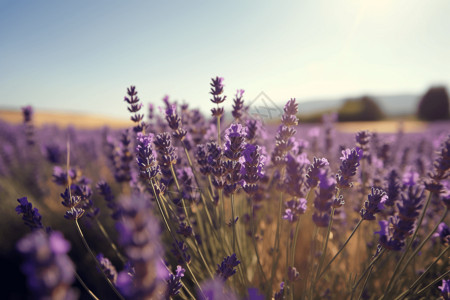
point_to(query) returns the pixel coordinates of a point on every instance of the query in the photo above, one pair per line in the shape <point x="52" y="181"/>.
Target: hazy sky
<point x="81" y="55"/>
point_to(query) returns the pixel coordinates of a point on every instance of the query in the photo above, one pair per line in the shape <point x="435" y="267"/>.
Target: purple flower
<point x="280" y="294"/>
<point x="217" y="90"/>
<point x="185" y="230"/>
<point x="374" y="204"/>
<point x="294" y="208"/>
<point x="445" y="289"/>
<point x="180" y="251"/>
<point x="252" y="169"/>
<point x="139" y="237"/>
<point x="105" y="190"/>
<point x="107" y="267"/>
<point x="227" y="268"/>
<point x="174" y="282"/>
<point x="30" y="215"/>
<point x="238" y="104"/>
<point x="393" y="188"/>
<point x="362" y="141"/>
<point x="146" y="160"/>
<point x="49" y="270"/>
<point x="316" y="172"/>
<point x="350" y="162"/>
<point x="134" y="107"/>
<point x="443" y="232"/>
<point x="324" y="201"/>
<point x="174" y="122"/>
<point x="386" y="233"/>
<point x="234" y="141"/>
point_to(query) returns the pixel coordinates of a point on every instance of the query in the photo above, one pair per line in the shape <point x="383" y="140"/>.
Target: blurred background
<point x="79" y="57"/>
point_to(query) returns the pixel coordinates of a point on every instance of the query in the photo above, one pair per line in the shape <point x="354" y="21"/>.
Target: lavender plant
<point x="256" y="212"/>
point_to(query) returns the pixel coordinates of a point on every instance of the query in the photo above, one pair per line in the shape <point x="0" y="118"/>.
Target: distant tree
<point x="434" y="105"/>
<point x="360" y="109"/>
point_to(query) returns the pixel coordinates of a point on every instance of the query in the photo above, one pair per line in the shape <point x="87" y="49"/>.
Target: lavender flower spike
<point x="174" y="282"/>
<point x="350" y="163"/>
<point x="227" y="268"/>
<point x="139" y="236"/>
<point x="30" y="215"/>
<point x="49" y="270"/>
<point x="445" y="289"/>
<point x="374" y="204"/>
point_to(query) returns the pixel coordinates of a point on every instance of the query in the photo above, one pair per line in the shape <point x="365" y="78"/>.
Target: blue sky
<point x="81" y="55"/>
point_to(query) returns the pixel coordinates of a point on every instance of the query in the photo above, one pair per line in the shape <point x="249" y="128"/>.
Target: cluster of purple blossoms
<point x="105" y="190"/>
<point x="324" y="201"/>
<point x="50" y="272"/>
<point x="73" y="203"/>
<point x="238" y="105"/>
<point x="445" y="289"/>
<point x="350" y="162"/>
<point x="441" y="169"/>
<point x="174" y="282"/>
<point x="139" y="237"/>
<point x="134" y="107"/>
<point x="393" y="188"/>
<point x="166" y="155"/>
<point x="227" y="268"/>
<point x="180" y="252"/>
<point x="252" y="169"/>
<point x="294" y="180"/>
<point x="107" y="268"/>
<point x="443" y="233"/>
<point x="174" y="122"/>
<point x="146" y="160"/>
<point x="233" y="150"/>
<point x="316" y="171"/>
<point x="31" y="216"/>
<point x="216" y="92"/>
<point x="283" y="139"/>
<point x="394" y="231"/>
<point x="374" y="204"/>
<point x="362" y="141"/>
<point x="294" y="208"/>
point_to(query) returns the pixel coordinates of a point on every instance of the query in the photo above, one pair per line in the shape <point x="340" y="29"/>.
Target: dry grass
<point x="63" y="119"/>
<point x="86" y="121"/>
<point x="387" y="126"/>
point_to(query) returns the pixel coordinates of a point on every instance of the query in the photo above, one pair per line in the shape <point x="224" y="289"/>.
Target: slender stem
<point x="418" y="280"/>
<point x="367" y="270"/>
<point x="113" y="245"/>
<point x="394" y="275"/>
<point x="340" y="250"/>
<point x="417" y="249"/>
<point x="96" y="261"/>
<point x="433" y="282"/>
<point x="255" y="246"/>
<point x="276" y="242"/>
<point x="233" y="222"/>
<point x="189" y="223"/>
<point x="325" y="245"/>
<point x="85" y="286"/>
<point x="297" y="226"/>
<point x="365" y="282"/>
<point x="158" y="201"/>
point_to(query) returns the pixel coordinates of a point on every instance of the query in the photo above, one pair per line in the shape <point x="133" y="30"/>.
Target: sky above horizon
<point x="82" y="55"/>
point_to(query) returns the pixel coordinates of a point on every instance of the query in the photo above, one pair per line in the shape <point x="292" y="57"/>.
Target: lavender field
<point x="181" y="205"/>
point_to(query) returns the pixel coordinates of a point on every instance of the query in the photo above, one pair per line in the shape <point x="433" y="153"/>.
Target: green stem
<point x="113" y="245"/>
<point x="255" y="246"/>
<point x="433" y="282"/>
<point x="85" y="286"/>
<point x="189" y="223"/>
<point x="340" y="250"/>
<point x="166" y="223"/>
<point x="96" y="261"/>
<point x="418" y="280"/>
<point x="367" y="270"/>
